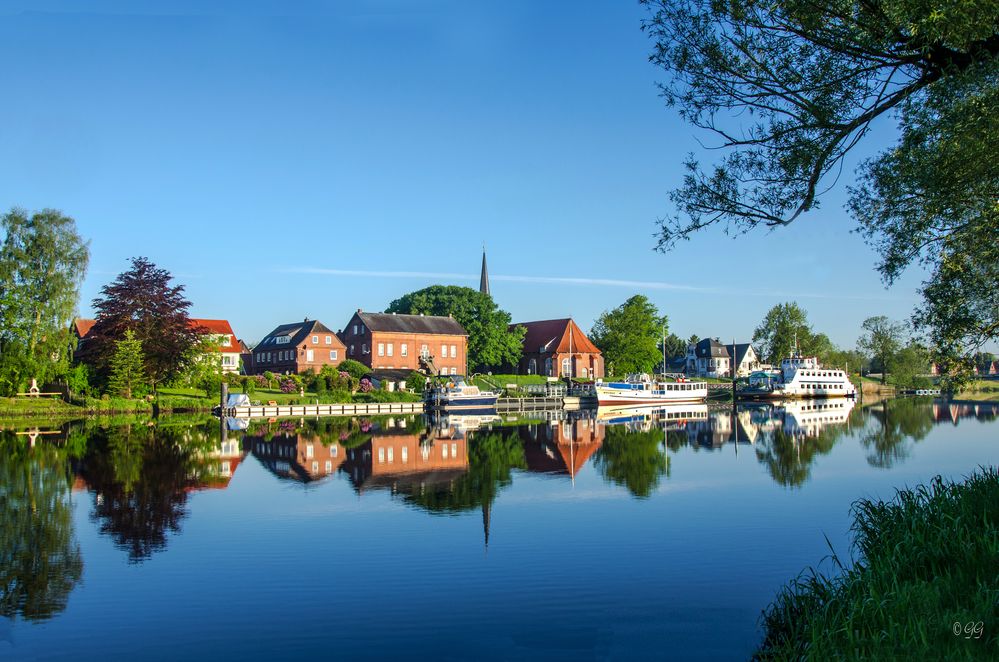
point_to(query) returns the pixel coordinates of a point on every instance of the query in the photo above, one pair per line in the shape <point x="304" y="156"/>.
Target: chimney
<point x="359" y="310"/>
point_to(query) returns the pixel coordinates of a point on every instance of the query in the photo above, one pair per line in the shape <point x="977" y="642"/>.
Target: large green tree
<point x="784" y="327"/>
<point x="491" y="342"/>
<point x="630" y="336"/>
<point x="43" y="261"/>
<point x="881" y="340"/>
<point x="791" y="87"/>
<point x="145" y="301"/>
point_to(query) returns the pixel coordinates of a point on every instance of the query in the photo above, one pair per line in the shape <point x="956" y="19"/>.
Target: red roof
<point x="219" y="327"/>
<point x="82" y="326"/>
<point x="554" y="336"/>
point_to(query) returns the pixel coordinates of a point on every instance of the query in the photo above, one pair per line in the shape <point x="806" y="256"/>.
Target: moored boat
<point x="457" y="395"/>
<point x="643" y="390"/>
<point x="799" y="377"/>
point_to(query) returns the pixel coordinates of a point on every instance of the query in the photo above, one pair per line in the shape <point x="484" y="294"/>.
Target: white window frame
<point x="404" y="349"/>
<point x="443" y="351"/>
<point x="454" y="351"/>
<point x="381" y="349"/>
<point x="310" y="355"/>
<point x="315" y="340"/>
<point x="333" y="355"/>
<point x="329" y="340"/>
<point x="390" y="349"/>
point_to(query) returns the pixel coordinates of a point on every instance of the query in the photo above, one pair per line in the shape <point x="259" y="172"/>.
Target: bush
<point x="365" y="386"/>
<point x="288" y="385"/>
<point x="416" y="382"/>
<point x="269" y="376"/>
<point x="355" y="369"/>
<point x="78" y="380"/>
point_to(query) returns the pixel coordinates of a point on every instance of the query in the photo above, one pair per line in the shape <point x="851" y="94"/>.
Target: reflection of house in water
<point x="398" y="459"/>
<point x="952" y="412"/>
<point x="298" y="456"/>
<point x="722" y="427"/>
<point x="220" y="466"/>
<point x="561" y="447"/>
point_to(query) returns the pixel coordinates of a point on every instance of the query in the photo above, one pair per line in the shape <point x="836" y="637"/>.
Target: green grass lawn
<point x="37" y="407"/>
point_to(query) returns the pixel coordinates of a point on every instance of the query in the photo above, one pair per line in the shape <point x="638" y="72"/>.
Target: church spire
<point x="484" y="278"/>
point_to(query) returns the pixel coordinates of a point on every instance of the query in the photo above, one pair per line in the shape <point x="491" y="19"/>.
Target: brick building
<point x="297" y="347"/>
<point x="388" y="341"/>
<point x="559" y="348"/>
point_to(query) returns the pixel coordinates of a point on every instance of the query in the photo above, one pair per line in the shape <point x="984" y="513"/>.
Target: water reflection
<point x="139" y="475"/>
<point x="40" y="560"/>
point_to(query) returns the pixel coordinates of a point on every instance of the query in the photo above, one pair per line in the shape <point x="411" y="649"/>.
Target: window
<point x="329" y="340"/>
<point x="381" y="349"/>
<point x="310" y="355"/>
<point x="333" y="356"/>
<point x="362" y="328"/>
<point x="329" y="466"/>
<point x="454" y="352"/>
<point x="444" y="451"/>
<point x="548" y="367"/>
<point x="364" y="348"/>
<point x="424" y="351"/>
<point x="566" y="367"/>
<point x="381" y="455"/>
<point x="389" y="348"/>
<point x="315" y="340"/>
<point x="404" y="349"/>
<point x="315" y="467"/>
<point x="309" y="451"/>
<point x="454" y="371"/>
<point x="532" y="367"/>
<point x="443" y="351"/>
<point x="405" y="454"/>
<point x="454" y="450"/>
<point x="391" y="454"/>
<point x="334" y="450"/>
<point x="351" y="350"/>
<point x="355" y="329"/>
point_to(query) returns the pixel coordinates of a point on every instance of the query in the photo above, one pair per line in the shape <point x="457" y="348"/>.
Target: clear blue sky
<point x="285" y="163"/>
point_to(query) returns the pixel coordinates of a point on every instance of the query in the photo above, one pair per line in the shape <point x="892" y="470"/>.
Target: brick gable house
<point x="389" y="341"/>
<point x="297" y="347"/>
<point x="559" y="348"/>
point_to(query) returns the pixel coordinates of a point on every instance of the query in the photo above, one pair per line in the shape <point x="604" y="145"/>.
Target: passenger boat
<point x="799" y="377"/>
<point x="457" y="395"/>
<point x="672" y="414"/>
<point x="643" y="390"/>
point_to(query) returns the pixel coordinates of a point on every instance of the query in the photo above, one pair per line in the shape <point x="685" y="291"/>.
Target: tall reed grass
<point x="924" y="585"/>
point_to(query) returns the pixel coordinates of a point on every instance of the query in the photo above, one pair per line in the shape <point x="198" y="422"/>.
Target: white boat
<point x="671" y="414"/>
<point x="459" y="395"/>
<point x="644" y="390"/>
<point x="799" y="377"/>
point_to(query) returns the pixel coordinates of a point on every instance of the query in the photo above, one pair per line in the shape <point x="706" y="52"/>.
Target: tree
<point x="675" y="346"/>
<point x="144" y="301"/>
<point x="204" y="370"/>
<point x="881" y="340"/>
<point x="42" y="263"/>
<point x="791" y="87"/>
<point x="491" y="342"/>
<point x="630" y="335"/>
<point x="784" y="326"/>
<point x="910" y="366"/>
<point x="128" y="371"/>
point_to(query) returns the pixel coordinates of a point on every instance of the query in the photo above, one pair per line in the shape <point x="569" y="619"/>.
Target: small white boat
<point x="643" y="390"/>
<point x="459" y="395"/>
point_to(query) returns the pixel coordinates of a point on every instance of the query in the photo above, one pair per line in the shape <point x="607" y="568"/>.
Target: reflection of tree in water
<point x="897" y="424"/>
<point x="492" y="454"/>
<point x="789" y="457"/>
<point x="633" y="459"/>
<point x="40" y="561"/>
<point x="139" y="476"/>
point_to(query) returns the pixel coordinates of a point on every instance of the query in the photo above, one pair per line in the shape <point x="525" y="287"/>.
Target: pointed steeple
<point x="484" y="278"/>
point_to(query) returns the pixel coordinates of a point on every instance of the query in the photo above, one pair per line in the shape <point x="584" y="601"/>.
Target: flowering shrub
<point x="366" y="386"/>
<point x="288" y="386"/>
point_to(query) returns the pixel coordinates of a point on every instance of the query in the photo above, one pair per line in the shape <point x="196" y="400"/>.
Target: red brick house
<point x="559" y="348"/>
<point x="386" y="341"/>
<point x="297" y="347"/>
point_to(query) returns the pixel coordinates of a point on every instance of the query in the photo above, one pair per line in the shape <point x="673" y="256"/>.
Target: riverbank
<point x="924" y="586"/>
<point x="172" y="401"/>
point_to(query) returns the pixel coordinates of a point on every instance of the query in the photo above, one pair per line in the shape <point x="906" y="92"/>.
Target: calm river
<point x="607" y="535"/>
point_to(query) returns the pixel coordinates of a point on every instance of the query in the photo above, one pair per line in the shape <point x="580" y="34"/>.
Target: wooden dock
<point x="275" y="411"/>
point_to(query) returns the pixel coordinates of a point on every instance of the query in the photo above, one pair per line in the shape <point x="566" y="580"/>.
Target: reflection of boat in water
<point x="459" y="395"/>
<point x="676" y="414"/>
<point x="644" y="390"/>
<point x="799" y="377"/>
<point x="808" y="418"/>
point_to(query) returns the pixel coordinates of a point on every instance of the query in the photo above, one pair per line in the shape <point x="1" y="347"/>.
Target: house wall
<point x="363" y="346"/>
<point x="290" y="358"/>
<point x="585" y="364"/>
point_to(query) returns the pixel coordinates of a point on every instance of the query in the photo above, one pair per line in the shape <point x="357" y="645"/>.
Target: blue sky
<point x="285" y="163"/>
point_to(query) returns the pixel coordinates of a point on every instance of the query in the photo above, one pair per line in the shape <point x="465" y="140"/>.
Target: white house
<point x="711" y="358"/>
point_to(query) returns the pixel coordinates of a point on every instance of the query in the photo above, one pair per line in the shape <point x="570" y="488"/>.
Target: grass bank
<point x="925" y="584"/>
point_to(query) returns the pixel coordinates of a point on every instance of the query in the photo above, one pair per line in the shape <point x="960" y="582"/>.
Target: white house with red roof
<point x="219" y="332"/>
